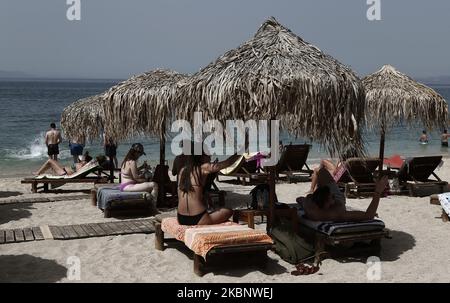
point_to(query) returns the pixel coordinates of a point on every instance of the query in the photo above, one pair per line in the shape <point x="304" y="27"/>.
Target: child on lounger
<point x="60" y="170"/>
<point x="327" y="202"/>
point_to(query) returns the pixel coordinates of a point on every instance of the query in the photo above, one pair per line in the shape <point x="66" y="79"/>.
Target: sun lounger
<point x="211" y="243"/>
<point x="358" y="180"/>
<point x="326" y="234"/>
<point x="81" y="176"/>
<point x="115" y="203"/>
<point x="246" y="167"/>
<point x="293" y="161"/>
<point x="444" y="201"/>
<point x="414" y="176"/>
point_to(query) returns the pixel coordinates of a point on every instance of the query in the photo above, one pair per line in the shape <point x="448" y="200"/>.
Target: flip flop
<point x="304" y="269"/>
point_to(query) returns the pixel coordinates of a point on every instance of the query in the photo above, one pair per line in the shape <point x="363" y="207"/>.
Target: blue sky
<point x="118" y="38"/>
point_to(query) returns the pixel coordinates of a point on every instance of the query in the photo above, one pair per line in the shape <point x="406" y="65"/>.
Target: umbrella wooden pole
<point x="271" y="180"/>
<point x="382" y="148"/>
<point x="162" y="150"/>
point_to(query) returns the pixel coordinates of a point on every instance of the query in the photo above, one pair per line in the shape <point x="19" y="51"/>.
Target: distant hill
<point x="438" y="80"/>
<point x="4" y="74"/>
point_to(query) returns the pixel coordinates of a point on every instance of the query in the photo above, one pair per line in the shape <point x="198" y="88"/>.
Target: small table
<point x="248" y="215"/>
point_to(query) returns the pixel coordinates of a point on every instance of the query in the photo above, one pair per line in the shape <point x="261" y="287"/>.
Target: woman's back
<point x="190" y="200"/>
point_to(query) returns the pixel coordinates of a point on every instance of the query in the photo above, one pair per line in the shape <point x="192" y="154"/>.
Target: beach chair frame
<point x="127" y="208"/>
<point x="284" y="166"/>
<point x="35" y="188"/>
<point x="246" y="170"/>
<point x="323" y="242"/>
<point x="414" y="183"/>
<point x="255" y="253"/>
<point x="361" y="184"/>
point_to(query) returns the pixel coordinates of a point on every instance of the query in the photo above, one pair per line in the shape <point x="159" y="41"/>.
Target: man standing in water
<point x="52" y="139"/>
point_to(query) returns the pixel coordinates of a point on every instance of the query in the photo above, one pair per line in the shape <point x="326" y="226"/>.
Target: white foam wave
<point x="35" y="150"/>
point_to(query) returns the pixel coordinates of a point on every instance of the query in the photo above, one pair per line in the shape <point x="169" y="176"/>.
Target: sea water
<point x="28" y="107"/>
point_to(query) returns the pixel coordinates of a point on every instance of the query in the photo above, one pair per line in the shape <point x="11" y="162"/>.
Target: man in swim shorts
<point x="76" y="149"/>
<point x="52" y="140"/>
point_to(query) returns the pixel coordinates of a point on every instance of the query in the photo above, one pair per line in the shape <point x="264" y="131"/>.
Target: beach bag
<point x="288" y="245"/>
<point x="260" y="198"/>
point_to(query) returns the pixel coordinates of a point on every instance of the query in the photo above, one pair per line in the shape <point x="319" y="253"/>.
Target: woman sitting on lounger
<point x="191" y="207"/>
<point x="326" y="203"/>
<point x="132" y="180"/>
<point x="60" y="170"/>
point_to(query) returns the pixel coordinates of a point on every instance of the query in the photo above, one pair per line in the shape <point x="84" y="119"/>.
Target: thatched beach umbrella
<point x="83" y="118"/>
<point x="276" y="74"/>
<point x="393" y="98"/>
<point x="141" y="105"/>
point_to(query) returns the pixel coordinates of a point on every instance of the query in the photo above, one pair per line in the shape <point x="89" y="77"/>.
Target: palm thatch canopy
<point x="278" y="75"/>
<point x="141" y="104"/>
<point x="394" y="98"/>
<point x="83" y="118"/>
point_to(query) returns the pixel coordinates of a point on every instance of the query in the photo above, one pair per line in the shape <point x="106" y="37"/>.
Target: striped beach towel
<point x="335" y="228"/>
<point x="202" y="238"/>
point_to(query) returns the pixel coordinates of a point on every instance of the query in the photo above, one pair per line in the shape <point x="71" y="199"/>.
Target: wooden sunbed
<point x="293" y="161"/>
<point x="244" y="170"/>
<point x="323" y="242"/>
<point x="415" y="173"/>
<point x="253" y="253"/>
<point x="358" y="180"/>
<point x="80" y="176"/>
<point x="58" y="182"/>
<point x="125" y="208"/>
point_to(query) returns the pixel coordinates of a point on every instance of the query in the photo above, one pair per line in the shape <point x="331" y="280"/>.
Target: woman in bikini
<point x="132" y="180"/>
<point x="191" y="207"/>
<point x="60" y="170"/>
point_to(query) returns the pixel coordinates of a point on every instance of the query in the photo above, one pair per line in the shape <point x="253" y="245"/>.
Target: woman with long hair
<point x="191" y="206"/>
<point x="132" y="180"/>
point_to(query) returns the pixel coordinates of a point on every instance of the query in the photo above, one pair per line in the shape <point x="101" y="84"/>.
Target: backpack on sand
<point x="288" y="245"/>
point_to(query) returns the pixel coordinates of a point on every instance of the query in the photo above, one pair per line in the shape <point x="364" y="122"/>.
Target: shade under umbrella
<point x="393" y="98"/>
<point x="83" y="119"/>
<point x="276" y="74"/>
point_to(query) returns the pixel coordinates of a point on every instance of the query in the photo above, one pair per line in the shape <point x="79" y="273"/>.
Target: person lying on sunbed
<point x="60" y="170"/>
<point x="335" y="169"/>
<point x="327" y="203"/>
<point x="191" y="207"/>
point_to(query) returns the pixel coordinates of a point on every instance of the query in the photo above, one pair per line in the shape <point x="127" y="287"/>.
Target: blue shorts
<point x="76" y="149"/>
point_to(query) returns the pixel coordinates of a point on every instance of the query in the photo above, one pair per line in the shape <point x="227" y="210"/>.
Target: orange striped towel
<point x="202" y="238"/>
<point x="172" y="227"/>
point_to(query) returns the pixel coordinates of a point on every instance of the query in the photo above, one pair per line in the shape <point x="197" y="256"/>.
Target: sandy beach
<point x="417" y="252"/>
